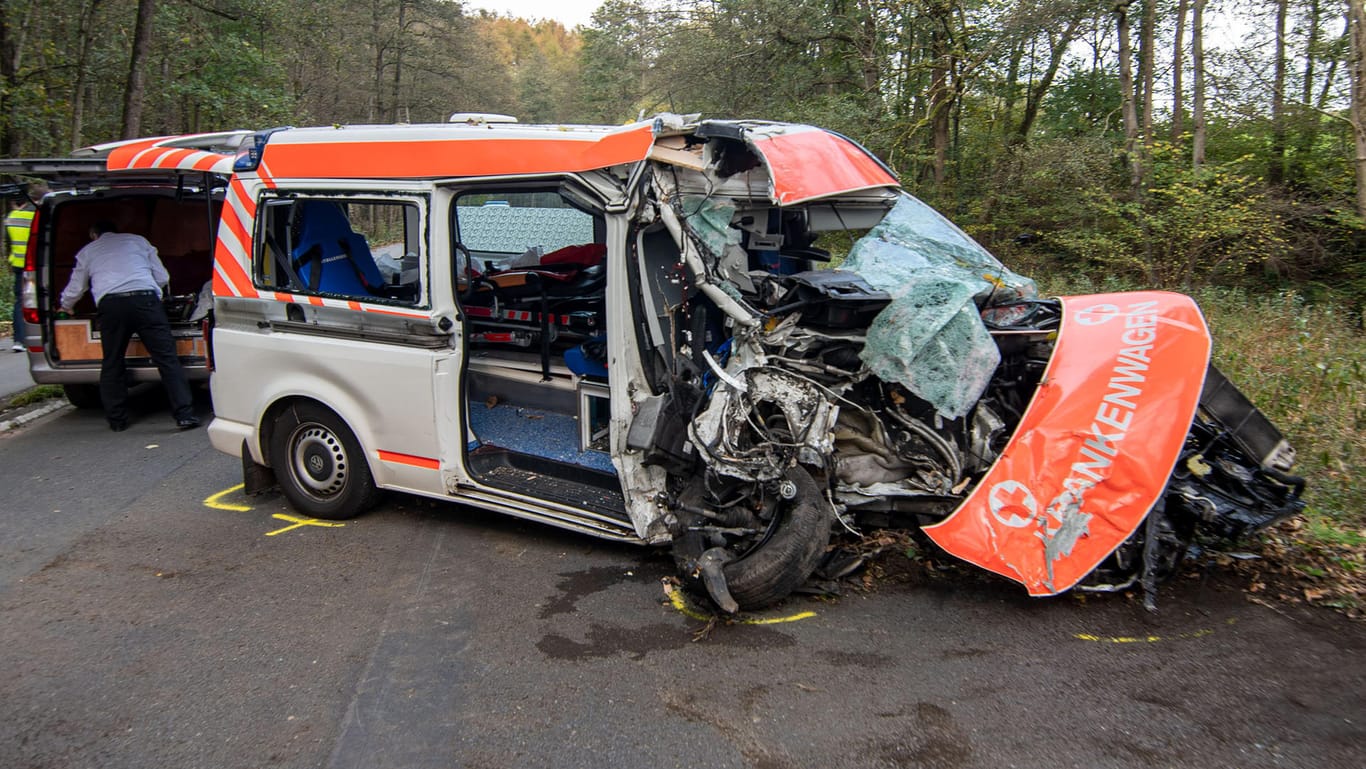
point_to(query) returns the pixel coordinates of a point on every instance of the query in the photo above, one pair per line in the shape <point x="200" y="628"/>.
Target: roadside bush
<point x="1305" y="366"/>
<point x="6" y="300"/>
<point x="1188" y="228"/>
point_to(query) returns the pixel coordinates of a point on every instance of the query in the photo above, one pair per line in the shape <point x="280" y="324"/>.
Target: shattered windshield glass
<point x="931" y="338"/>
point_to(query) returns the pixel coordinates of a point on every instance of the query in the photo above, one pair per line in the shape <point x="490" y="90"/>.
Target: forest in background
<point x="1165" y="142"/>
<point x="1215" y="146"/>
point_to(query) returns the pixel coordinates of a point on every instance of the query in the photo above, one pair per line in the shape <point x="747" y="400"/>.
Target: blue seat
<point x="588" y="359"/>
<point x="329" y="256"/>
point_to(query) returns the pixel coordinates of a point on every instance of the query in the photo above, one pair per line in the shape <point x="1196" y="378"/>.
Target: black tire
<point x="786" y="558"/>
<point x="83" y="396"/>
<point x="783" y="560"/>
<point x="320" y="465"/>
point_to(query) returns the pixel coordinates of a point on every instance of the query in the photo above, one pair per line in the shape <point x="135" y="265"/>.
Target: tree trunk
<point x="1145" y="64"/>
<point x="1178" y="97"/>
<point x="1330" y="77"/>
<point x="1057" y="49"/>
<point x="12" y="37"/>
<point x="1311" y="49"/>
<point x="941" y="91"/>
<point x="1126" y="91"/>
<point x="85" y="38"/>
<point x="377" y="110"/>
<point x="1198" y="73"/>
<point x="399" y="43"/>
<point x="1357" y="26"/>
<point x="1309" y="124"/>
<point x="870" y="61"/>
<point x="940" y="103"/>
<point x="1275" y="172"/>
<point x="133" y="94"/>
<point x="1012" y="89"/>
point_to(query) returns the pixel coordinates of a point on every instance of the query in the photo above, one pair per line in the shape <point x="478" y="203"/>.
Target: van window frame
<point x="420" y="201"/>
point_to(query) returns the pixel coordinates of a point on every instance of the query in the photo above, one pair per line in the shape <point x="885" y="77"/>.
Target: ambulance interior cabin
<point x="531" y="280"/>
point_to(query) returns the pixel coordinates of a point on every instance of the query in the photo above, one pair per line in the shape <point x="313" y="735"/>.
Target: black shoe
<point x="188" y="423"/>
<point x="118" y="426"/>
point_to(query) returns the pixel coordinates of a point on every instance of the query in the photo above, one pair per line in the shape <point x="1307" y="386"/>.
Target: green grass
<point x="34" y="395"/>
<point x="1305" y="367"/>
<point x="6" y="296"/>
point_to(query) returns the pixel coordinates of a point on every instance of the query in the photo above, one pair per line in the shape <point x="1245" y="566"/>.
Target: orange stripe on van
<point x="226" y="262"/>
<point x="173" y="158"/>
<point x="408" y="459"/>
<point x="266" y="176"/>
<point x="229" y="221"/>
<point x="238" y="194"/>
<point x="120" y="158"/>
<point x="456" y="157"/>
<point x="151" y="157"/>
<point x="207" y="162"/>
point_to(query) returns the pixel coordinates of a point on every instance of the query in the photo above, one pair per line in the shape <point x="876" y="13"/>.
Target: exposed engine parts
<point x="799" y="401"/>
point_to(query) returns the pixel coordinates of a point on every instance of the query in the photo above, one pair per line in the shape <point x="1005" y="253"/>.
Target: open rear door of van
<point x="167" y="189"/>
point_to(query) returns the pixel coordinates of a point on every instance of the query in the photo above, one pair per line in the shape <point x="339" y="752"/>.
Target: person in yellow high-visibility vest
<point x="17" y="226"/>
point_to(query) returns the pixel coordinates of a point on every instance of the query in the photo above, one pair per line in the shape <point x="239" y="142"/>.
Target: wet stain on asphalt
<point x="840" y="658"/>
<point x="933" y="741"/>
<point x="1160" y="700"/>
<point x="579" y="584"/>
<point x="610" y="640"/>
<point x="757" y="753"/>
<point x="1127" y="750"/>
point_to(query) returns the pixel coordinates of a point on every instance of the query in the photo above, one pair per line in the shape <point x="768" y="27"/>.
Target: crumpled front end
<point x="921" y="384"/>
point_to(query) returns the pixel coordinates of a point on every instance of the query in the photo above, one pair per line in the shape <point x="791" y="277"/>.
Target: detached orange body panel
<point x="1095" y="447"/>
<point x="808" y="163"/>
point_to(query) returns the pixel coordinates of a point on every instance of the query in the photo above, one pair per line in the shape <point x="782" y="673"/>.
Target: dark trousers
<point x="18" y="273"/>
<point x="121" y="316"/>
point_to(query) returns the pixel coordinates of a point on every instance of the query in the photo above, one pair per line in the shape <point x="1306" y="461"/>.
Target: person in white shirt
<point x="126" y="277"/>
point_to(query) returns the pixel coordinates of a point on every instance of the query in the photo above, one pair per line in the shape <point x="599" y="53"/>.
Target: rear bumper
<point x="44" y="372"/>
<point x="229" y="437"/>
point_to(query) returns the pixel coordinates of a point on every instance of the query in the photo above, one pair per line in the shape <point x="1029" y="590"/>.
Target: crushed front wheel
<point x="769" y="569"/>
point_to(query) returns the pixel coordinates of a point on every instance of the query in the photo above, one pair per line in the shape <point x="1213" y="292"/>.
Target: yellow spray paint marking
<point x="688" y="610"/>
<point x="296" y="523"/>
<point x="1150" y="639"/>
<point x="1147" y="639"/>
<point x="216" y="502"/>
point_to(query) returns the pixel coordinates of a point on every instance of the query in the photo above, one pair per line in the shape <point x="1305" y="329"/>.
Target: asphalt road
<point x="14" y="376"/>
<point x="142" y="627"/>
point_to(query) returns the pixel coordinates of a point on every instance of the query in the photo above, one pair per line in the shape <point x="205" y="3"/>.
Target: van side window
<point x="357" y="249"/>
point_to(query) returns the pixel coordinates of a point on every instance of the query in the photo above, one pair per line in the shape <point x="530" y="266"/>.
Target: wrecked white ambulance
<point x="647" y="333"/>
